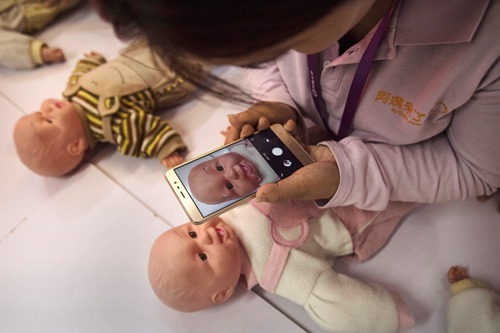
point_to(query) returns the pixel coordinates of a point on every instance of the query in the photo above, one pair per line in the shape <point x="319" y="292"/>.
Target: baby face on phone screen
<point x="226" y="177"/>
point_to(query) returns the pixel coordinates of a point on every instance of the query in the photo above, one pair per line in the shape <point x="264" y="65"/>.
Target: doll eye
<point x="203" y="256"/>
<point x="229" y="186"/>
<point x="219" y="168"/>
<point x="192" y="234"/>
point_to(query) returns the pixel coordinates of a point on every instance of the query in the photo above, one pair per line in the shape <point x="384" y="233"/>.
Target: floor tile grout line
<point x="137" y="198"/>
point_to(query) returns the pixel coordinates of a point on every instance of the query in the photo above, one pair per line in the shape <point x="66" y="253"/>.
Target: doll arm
<point x="91" y="60"/>
<point x="473" y="306"/>
<point x="155" y="137"/>
<point x="40" y="14"/>
<point x="20" y="51"/>
<point x="167" y="145"/>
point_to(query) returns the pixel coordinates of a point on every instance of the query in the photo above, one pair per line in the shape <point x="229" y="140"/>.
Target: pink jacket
<point x="427" y="128"/>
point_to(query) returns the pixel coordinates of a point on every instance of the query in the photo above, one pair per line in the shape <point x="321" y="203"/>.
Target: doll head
<point x="52" y="141"/>
<point x="226" y="177"/>
<point x="192" y="267"/>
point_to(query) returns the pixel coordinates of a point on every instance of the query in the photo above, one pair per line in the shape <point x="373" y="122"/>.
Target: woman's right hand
<point x="315" y="181"/>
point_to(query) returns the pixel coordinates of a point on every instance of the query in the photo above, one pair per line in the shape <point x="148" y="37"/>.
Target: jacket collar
<point x="421" y="22"/>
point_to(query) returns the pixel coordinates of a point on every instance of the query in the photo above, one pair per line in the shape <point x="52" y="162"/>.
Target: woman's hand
<point x="259" y="116"/>
<point x="318" y="180"/>
<point x="315" y="181"/>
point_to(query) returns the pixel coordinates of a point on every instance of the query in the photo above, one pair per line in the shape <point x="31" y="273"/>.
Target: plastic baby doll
<point x="18" y="18"/>
<point x="473" y="307"/>
<point x="287" y="249"/>
<point x="231" y="175"/>
<point x="104" y="102"/>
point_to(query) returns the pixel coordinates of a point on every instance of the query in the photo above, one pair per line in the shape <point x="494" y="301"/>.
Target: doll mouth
<point x="247" y="169"/>
<point x="221" y="233"/>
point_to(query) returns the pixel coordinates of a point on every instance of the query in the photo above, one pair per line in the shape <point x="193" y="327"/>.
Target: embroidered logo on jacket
<point x="406" y="109"/>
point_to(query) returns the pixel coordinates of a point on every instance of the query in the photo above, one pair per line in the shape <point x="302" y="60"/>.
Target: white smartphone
<point x="230" y="175"/>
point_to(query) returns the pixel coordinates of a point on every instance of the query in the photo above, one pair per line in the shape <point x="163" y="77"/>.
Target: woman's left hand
<point x="259" y="116"/>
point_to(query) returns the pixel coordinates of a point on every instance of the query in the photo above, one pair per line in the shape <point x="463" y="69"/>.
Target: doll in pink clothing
<point x="283" y="248"/>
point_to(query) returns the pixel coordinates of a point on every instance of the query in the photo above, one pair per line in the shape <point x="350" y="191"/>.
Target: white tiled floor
<point x="73" y="251"/>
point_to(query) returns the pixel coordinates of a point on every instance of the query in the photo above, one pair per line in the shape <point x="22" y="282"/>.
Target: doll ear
<point x="223" y="295"/>
<point x="77" y="147"/>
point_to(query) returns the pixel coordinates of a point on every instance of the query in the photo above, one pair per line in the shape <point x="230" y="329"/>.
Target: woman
<point x="419" y="124"/>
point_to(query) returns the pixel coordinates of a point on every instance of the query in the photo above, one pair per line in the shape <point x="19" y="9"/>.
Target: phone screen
<point x="234" y="172"/>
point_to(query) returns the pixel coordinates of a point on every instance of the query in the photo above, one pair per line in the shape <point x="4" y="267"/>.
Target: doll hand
<point x="96" y="55"/>
<point x="258" y="117"/>
<point x="457" y="273"/>
<point x="172" y="160"/>
<point x="318" y="180"/>
<point x="52" y="54"/>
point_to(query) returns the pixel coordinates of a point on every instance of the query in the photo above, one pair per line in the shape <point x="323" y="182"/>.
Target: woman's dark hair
<point x="217" y="29"/>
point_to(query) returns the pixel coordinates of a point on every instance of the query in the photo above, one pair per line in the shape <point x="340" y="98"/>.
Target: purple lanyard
<point x="357" y="84"/>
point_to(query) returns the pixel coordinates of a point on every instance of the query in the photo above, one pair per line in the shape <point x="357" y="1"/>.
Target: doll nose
<point x="48" y="110"/>
<point x="233" y="173"/>
<point x="206" y="239"/>
<point x="208" y="236"/>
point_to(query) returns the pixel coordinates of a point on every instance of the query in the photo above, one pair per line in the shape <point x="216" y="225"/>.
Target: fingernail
<point x="233" y="115"/>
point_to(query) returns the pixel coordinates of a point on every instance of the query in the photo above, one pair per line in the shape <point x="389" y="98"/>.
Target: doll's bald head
<point x="193" y="267"/>
<point x="175" y="286"/>
<point x="51" y="142"/>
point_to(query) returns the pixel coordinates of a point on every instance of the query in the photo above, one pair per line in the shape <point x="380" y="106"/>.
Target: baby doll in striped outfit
<point x="109" y="102"/>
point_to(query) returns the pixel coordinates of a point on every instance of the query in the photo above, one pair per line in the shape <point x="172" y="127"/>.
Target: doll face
<point x="56" y="121"/>
<point x="52" y="141"/>
<point x="223" y="178"/>
<point x="209" y="254"/>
